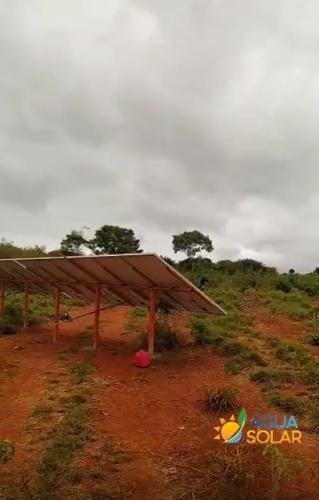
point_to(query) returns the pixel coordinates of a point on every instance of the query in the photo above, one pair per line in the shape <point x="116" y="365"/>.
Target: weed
<point x="281" y="468"/>
<point x="288" y="403"/>
<point x="242" y="355"/>
<point x="68" y="437"/>
<point x="226" y="473"/>
<point x="80" y="371"/>
<point x="221" y="399"/>
<point x="201" y="332"/>
<point x="110" y="493"/>
<point x="273" y="377"/>
<point x="44" y="412"/>
<point x="6" y="450"/>
<point x="314" y="339"/>
<point x="289" y="352"/>
<point x="165" y="339"/>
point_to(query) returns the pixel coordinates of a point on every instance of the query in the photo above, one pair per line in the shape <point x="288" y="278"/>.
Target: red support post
<point x="25" y="312"/>
<point x="1" y="298"/>
<point x="152" y="322"/>
<point x="96" y="331"/>
<point x="57" y="300"/>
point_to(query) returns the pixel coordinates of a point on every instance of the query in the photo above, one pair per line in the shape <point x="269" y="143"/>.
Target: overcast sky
<point x="163" y="116"/>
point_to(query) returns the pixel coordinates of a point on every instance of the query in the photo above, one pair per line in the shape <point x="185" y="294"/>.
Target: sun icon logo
<point x="231" y="430"/>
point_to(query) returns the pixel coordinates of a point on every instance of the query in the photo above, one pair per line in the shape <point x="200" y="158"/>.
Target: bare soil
<point x="155" y="415"/>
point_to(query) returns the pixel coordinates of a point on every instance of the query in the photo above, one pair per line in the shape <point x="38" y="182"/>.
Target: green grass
<point x="166" y="338"/>
<point x="80" y="371"/>
<point x="295" y="305"/>
<point x="44" y="412"/>
<point x="273" y="377"/>
<point x="313" y="339"/>
<point x="69" y="437"/>
<point x="289" y="352"/>
<point x="290" y="404"/>
<point x="306" y="366"/>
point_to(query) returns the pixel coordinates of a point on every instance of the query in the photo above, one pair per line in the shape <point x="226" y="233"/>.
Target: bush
<point x="314" y="339"/>
<point x="41" y="309"/>
<point x="220" y="399"/>
<point x="166" y="338"/>
<point x="284" y="285"/>
<point x="201" y="332"/>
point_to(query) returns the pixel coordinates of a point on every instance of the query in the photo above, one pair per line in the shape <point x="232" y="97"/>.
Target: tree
<point x="73" y="243"/>
<point x="192" y="242"/>
<point x="8" y="250"/>
<point x="114" y="240"/>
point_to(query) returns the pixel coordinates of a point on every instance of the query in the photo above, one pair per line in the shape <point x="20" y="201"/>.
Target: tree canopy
<point x="114" y="240"/>
<point x="73" y="243"/>
<point x="192" y="242"/>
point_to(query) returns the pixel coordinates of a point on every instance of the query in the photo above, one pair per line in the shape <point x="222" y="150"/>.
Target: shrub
<point x="284" y="285"/>
<point x="220" y="399"/>
<point x="201" y="332"/>
<point x="314" y="339"/>
<point x="166" y="338"/>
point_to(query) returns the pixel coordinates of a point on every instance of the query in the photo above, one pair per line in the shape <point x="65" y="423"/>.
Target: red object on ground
<point x="142" y="359"/>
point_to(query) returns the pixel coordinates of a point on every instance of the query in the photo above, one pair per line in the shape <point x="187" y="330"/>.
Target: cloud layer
<point x="163" y="116"/>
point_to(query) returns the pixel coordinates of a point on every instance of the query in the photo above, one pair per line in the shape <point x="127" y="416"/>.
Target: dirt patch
<point x="155" y="417"/>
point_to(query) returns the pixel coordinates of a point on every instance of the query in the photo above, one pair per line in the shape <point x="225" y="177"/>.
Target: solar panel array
<point x="126" y="278"/>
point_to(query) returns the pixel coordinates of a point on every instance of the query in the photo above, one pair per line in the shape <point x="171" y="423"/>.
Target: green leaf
<point x="242" y="417"/>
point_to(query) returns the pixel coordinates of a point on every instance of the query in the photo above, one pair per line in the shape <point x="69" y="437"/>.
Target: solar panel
<point x="124" y="277"/>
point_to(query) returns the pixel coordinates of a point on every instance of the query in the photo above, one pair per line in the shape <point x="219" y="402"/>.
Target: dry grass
<point x="220" y="399"/>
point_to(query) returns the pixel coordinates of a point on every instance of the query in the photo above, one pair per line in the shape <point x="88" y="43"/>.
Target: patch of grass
<point x="44" y="412"/>
<point x="135" y="318"/>
<point x="220" y="399"/>
<point x="312" y="415"/>
<point x="282" y="468"/>
<point x="295" y="304"/>
<point x="288" y="403"/>
<point x="80" y="371"/>
<point x="69" y="436"/>
<point x="273" y="377"/>
<point x="309" y="374"/>
<point x="7" y="450"/>
<point x="225" y="473"/>
<point x="305" y="364"/>
<point x="313" y="339"/>
<point x="166" y="339"/>
<point x="113" y="492"/>
<point x="289" y="352"/>
<point x="242" y="356"/>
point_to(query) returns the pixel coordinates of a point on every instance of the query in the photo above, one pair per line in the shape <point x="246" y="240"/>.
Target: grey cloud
<point x="162" y="116"/>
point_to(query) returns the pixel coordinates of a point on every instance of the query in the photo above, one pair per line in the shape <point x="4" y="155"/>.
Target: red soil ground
<point x="155" y="414"/>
